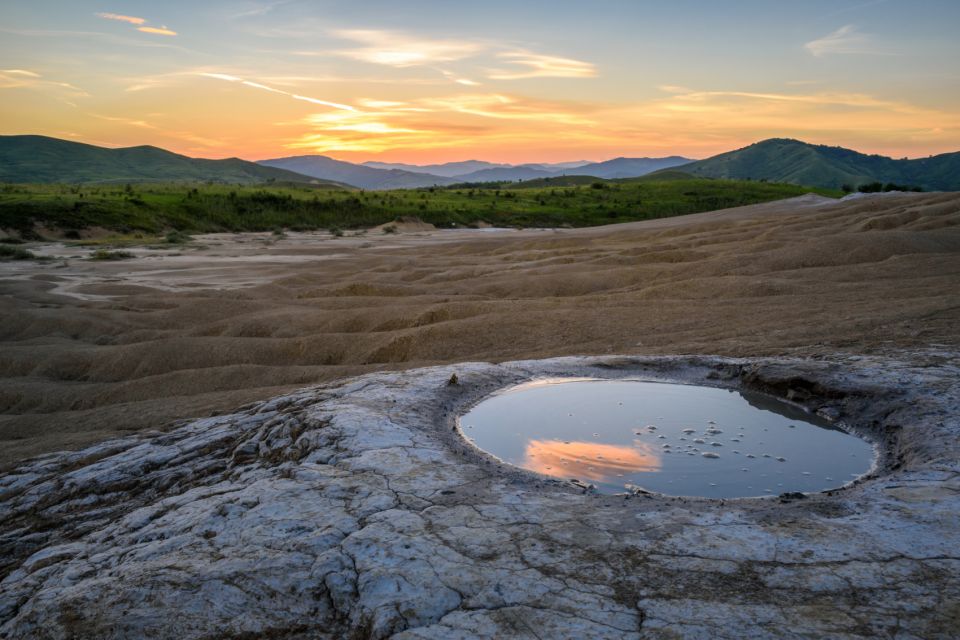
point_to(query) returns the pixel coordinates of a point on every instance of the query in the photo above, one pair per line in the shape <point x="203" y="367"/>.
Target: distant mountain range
<point x="454" y="169"/>
<point x="793" y="161"/>
<point x="382" y="175"/>
<point x="41" y="159"/>
<point x="357" y="175"/>
<point x="445" y="170"/>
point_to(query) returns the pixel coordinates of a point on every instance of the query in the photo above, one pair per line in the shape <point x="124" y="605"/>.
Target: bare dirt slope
<point x="93" y="349"/>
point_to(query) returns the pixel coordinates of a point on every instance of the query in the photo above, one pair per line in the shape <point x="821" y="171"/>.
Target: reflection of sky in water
<point x="676" y="439"/>
<point x="588" y="460"/>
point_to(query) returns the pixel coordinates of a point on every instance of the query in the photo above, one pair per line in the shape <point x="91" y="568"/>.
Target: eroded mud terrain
<point x="357" y="508"/>
<point x="91" y="350"/>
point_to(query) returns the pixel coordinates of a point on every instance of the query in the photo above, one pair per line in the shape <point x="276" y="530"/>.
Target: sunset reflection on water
<point x="589" y="460"/>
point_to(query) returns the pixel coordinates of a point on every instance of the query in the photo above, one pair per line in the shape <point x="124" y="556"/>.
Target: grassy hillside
<point x="153" y="208"/>
<point x="38" y="159"/>
<point x="792" y="161"/>
<point x="664" y="175"/>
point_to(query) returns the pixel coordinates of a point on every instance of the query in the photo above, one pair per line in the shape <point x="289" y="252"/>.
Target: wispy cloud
<point x="467" y="82"/>
<point x="504" y="107"/>
<point x="542" y="66"/>
<point x="128" y="121"/>
<point x="719" y="100"/>
<point x="263" y="87"/>
<point x="160" y="31"/>
<point x="122" y="18"/>
<point x="257" y="9"/>
<point x="20" y="72"/>
<point x="24" y="79"/>
<point x="139" y="23"/>
<point x="105" y="37"/>
<point x="846" y="40"/>
<point x="400" y="50"/>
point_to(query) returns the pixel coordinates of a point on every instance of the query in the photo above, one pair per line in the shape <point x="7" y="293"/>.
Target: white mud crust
<point x="357" y="510"/>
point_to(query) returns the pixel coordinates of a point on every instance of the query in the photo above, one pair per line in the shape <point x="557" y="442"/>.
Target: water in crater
<point x="670" y="438"/>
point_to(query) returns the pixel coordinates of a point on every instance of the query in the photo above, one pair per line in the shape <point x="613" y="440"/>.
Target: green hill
<point x="39" y="159"/>
<point x="796" y="162"/>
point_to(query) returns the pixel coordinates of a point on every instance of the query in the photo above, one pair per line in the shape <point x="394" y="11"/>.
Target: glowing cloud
<point x="399" y="50"/>
<point x="122" y="18"/>
<point x="459" y="80"/>
<point x="541" y="66"/>
<point x="20" y="72"/>
<point x="335" y="105"/>
<point x="127" y="121"/>
<point x="220" y="76"/>
<point x="139" y="23"/>
<point x="846" y="39"/>
<point x="160" y="31"/>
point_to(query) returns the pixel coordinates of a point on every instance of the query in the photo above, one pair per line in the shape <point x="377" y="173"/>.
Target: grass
<point x="168" y="212"/>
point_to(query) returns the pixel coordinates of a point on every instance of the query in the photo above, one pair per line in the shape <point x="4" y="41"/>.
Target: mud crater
<point x="644" y="436"/>
<point x="834" y="404"/>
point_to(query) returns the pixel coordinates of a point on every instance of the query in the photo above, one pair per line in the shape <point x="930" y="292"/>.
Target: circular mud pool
<point x="670" y="438"/>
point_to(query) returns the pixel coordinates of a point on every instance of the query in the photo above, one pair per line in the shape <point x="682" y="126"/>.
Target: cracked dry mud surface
<point x="356" y="509"/>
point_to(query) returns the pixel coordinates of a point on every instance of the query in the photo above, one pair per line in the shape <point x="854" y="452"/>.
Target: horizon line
<point x="107" y="145"/>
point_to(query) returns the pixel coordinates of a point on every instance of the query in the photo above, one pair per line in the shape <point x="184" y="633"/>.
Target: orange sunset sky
<point x="500" y="81"/>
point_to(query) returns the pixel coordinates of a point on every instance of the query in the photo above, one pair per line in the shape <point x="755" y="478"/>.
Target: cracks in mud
<point x="406" y="531"/>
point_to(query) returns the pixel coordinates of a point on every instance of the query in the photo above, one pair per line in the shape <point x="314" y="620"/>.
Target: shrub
<point x="15" y="253"/>
<point x="390" y="228"/>
<point x="104" y="254"/>
<point x="178" y="237"/>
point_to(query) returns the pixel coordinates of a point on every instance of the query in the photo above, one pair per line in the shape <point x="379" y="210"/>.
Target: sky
<point x="436" y="81"/>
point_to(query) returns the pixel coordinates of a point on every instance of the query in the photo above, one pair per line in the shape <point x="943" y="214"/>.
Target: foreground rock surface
<point x="357" y="508"/>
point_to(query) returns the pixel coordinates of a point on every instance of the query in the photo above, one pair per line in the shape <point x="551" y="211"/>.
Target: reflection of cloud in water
<point x="589" y="460"/>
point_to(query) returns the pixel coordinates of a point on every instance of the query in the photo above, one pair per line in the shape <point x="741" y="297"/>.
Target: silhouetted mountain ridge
<point x="797" y="162"/>
<point x="41" y="159"/>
